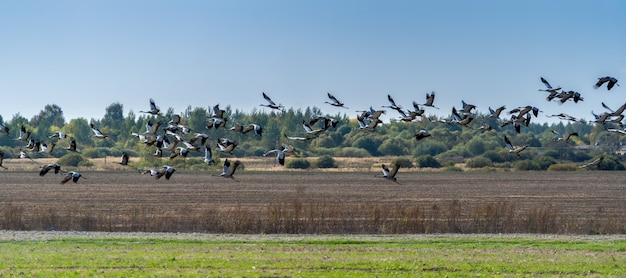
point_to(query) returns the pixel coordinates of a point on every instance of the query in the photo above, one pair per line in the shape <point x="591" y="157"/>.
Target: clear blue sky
<point x="85" y="55"/>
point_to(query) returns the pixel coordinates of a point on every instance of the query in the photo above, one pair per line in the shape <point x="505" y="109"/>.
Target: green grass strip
<point x="316" y="256"/>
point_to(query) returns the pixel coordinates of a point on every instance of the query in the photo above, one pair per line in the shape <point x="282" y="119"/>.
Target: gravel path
<point x="52" y="235"/>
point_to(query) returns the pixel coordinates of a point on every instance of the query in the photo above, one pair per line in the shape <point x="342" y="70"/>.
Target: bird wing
<point x="385" y="170"/>
<point x="67" y="177"/>
<point x="394" y="170"/>
<point x="391" y="101"/>
<point x="545" y="82"/>
<point x="601" y="81"/>
<point x="152" y="105"/>
<point x="508" y="143"/>
<point x="231" y="169"/>
<point x="333" y="98"/>
<point x="269" y="100"/>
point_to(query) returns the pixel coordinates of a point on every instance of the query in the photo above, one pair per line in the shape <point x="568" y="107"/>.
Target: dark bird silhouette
<point x="565" y="138"/>
<point x="611" y="81"/>
<point x="393" y="104"/>
<point x="258" y="130"/>
<point x="270" y="103"/>
<point x="430" y="99"/>
<point x="4" y="129"/>
<point x="421" y="135"/>
<point x="159" y="172"/>
<point x="124" y="159"/>
<point x="154" y="110"/>
<point x="334" y="101"/>
<point x="46" y="168"/>
<point x="72" y="147"/>
<point x="514" y="149"/>
<point x="2" y="159"/>
<point x="390" y="174"/>
<point x="593" y="164"/>
<point x="73" y="176"/>
<point x="549" y="87"/>
<point x="496" y="113"/>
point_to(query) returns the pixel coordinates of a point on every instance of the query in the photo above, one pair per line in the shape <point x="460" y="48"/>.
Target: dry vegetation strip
<point x="589" y="202"/>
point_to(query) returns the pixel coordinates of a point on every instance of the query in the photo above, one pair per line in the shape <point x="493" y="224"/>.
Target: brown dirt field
<point x="591" y="200"/>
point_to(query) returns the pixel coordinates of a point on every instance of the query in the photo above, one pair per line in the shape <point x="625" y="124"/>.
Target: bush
<point x="353" y="152"/>
<point x="298" y="163"/>
<point x="452" y="168"/>
<point x="478" y="162"/>
<point x="526" y="165"/>
<point x="326" y="161"/>
<point x="610" y="163"/>
<point x="545" y="162"/>
<point x="427" y="161"/>
<point x="404" y="162"/>
<point x="74" y="159"/>
<point x="494" y="156"/>
<point x="562" y="167"/>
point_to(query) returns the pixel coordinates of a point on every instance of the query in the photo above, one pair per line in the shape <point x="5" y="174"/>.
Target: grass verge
<point x="315" y="256"/>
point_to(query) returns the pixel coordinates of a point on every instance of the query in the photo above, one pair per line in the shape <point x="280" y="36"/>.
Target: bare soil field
<point x="316" y="201"/>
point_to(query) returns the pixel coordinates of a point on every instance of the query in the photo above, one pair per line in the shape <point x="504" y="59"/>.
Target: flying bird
<point x="334" y="101"/>
<point x="97" y="133"/>
<point x="46" y="168"/>
<point x="4" y="129"/>
<point x="228" y="169"/>
<point x="73" y="176"/>
<point x="514" y="149"/>
<point x="611" y="81"/>
<point x="258" y="130"/>
<point x="565" y="138"/>
<point x="208" y="155"/>
<point x="271" y="104"/>
<point x="549" y="88"/>
<point x="226" y="145"/>
<point x="72" y="147"/>
<point x="280" y="155"/>
<point x="154" y="110"/>
<point x="2" y="159"/>
<point x="496" y="113"/>
<point x="124" y="159"/>
<point x="594" y="164"/>
<point x="24" y="134"/>
<point x="421" y="134"/>
<point x="430" y="98"/>
<point x="159" y="172"/>
<point x="390" y="174"/>
<point x="393" y="104"/>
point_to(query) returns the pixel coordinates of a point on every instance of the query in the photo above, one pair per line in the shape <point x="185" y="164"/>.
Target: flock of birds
<point x="178" y="139"/>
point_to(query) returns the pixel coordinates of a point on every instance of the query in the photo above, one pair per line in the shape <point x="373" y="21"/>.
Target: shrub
<point x="526" y="165"/>
<point x="404" y="162"/>
<point x="452" y="168"/>
<point x="298" y="163"/>
<point x="326" y="161"/>
<point x="562" y="167"/>
<point x="494" y="156"/>
<point x="427" y="161"/>
<point x="544" y="162"/>
<point x="74" y="159"/>
<point x="610" y="163"/>
<point x="478" y="162"/>
<point x="353" y="152"/>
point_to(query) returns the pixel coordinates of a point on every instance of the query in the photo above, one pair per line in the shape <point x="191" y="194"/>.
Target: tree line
<point x="448" y="143"/>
